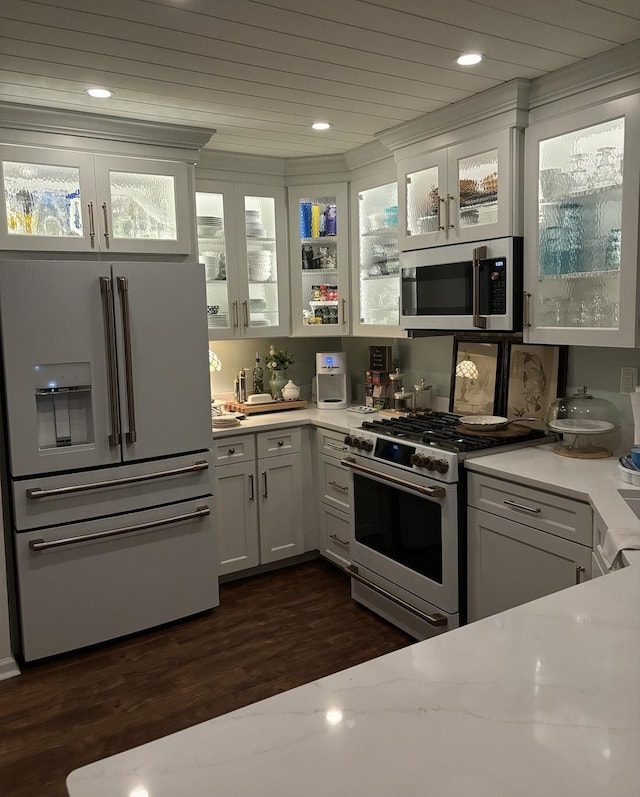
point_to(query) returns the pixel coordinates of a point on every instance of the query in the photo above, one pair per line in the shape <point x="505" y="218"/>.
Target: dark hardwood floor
<point x="270" y="633"/>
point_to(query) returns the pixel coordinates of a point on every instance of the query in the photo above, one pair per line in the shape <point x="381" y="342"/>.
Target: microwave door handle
<point x="479" y="253"/>
<point x="110" y="346"/>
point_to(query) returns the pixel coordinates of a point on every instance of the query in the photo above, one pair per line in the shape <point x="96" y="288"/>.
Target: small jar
<point x="291" y="391"/>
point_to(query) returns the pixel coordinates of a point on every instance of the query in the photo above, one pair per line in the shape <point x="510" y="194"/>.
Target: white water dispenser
<point x="332" y="380"/>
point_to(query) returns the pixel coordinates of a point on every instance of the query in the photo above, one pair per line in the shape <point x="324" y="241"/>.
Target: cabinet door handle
<point x="106" y="220"/>
<point x="245" y="313"/>
<point x="235" y="315"/>
<point x="252" y="495"/>
<point x="344" y="313"/>
<point x="579" y="571"/>
<point x="450" y="226"/>
<point x="535" y="510"/>
<point x="526" y="310"/>
<point x="265" y="491"/>
<point x="92" y="226"/>
<point x="439" y="201"/>
<point x="339" y="487"/>
<point x="344" y="543"/>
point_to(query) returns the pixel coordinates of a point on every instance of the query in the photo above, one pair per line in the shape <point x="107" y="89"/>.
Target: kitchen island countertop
<point x="540" y="699"/>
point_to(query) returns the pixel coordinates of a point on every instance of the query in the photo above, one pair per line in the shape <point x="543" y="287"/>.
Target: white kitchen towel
<point x="616" y="540"/>
<point x="635" y="408"/>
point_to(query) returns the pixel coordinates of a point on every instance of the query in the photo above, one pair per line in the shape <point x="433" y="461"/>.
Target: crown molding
<point x="510" y="99"/>
<point x="96" y="126"/>
<point x="367" y="154"/>
<point x="315" y="165"/>
<point x="592" y="73"/>
<point x="222" y="161"/>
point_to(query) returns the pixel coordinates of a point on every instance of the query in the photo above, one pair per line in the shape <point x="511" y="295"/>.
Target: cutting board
<point x="275" y="406"/>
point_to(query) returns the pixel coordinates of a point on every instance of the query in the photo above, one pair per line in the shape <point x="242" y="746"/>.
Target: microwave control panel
<point x="496" y="269"/>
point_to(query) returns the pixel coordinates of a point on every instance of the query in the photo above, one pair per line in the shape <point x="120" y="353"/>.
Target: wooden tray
<point x="275" y="406"/>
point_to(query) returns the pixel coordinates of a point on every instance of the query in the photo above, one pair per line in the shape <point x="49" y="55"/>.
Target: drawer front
<point x="331" y="443"/>
<point x="563" y="517"/>
<point x="335" y="483"/>
<point x="72" y="497"/>
<point x="240" y="448"/>
<point x="282" y="441"/>
<point x="334" y="535"/>
<point x="89" y="582"/>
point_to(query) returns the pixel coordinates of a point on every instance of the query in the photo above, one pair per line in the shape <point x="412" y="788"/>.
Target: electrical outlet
<point x="628" y="379"/>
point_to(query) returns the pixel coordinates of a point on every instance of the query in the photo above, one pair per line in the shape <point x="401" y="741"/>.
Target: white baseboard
<point x="8" y="668"/>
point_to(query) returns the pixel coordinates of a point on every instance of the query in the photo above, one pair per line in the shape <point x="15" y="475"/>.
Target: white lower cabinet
<point x="258" y="499"/>
<point x="522" y="544"/>
<point x="334" y="498"/>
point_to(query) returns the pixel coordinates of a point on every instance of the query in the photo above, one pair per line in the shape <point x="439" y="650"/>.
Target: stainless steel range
<point x="408" y="531"/>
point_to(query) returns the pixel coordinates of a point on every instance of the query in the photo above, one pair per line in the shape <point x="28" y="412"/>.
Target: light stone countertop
<point x="541" y="699"/>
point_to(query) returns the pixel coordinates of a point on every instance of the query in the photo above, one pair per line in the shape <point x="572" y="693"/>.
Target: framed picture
<point x="535" y="376"/>
<point x="476" y="376"/>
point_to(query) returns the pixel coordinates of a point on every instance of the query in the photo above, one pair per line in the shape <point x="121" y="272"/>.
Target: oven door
<point x="403" y="534"/>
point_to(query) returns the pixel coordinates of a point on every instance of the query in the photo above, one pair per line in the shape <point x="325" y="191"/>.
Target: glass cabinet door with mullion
<point x="375" y="286"/>
<point x="422" y="196"/>
<point x="49" y="200"/>
<point x="263" y="277"/>
<point x="215" y="228"/>
<point x="319" y="233"/>
<point x="582" y="227"/>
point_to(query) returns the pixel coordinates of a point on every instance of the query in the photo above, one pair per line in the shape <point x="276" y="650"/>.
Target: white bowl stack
<point x="259" y="263"/>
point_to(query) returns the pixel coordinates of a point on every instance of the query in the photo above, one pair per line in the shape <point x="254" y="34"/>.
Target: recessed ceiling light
<point x="469" y="59"/>
<point x="321" y="125"/>
<point x="101" y="93"/>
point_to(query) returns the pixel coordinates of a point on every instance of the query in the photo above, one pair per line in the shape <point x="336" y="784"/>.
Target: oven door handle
<point x="431" y="492"/>
<point x="480" y="253"/>
<point x="436" y="618"/>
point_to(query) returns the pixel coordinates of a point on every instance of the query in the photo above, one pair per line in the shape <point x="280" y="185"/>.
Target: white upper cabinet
<point x="64" y="201"/>
<point x="581" y="213"/>
<point x="318" y="253"/>
<point x="375" y="264"/>
<point x="459" y="193"/>
<point x="242" y="243"/>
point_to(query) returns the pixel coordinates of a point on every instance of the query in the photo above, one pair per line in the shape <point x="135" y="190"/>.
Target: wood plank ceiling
<point x="260" y="71"/>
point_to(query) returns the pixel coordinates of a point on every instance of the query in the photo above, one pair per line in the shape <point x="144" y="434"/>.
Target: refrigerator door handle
<point x="34" y="493"/>
<point x="123" y="290"/>
<point x="42" y="545"/>
<point x="110" y="344"/>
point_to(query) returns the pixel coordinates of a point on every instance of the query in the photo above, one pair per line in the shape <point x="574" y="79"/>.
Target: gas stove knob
<point x="418" y="460"/>
<point x="348" y="440"/>
<point x="357" y="442"/>
<point x="441" y="465"/>
<point x="429" y="463"/>
<point x="367" y="445"/>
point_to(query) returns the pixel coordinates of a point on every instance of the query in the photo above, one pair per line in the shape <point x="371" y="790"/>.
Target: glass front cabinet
<point x="318" y="252"/>
<point x="459" y="193"/>
<point x="77" y="202"/>
<point x="242" y="244"/>
<point x="581" y="240"/>
<point x="375" y="274"/>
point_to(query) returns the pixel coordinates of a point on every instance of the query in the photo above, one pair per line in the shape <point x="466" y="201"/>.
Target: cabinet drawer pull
<point x="579" y="571"/>
<point x="535" y="510"/>
<point x="339" y="487"/>
<point x="344" y="543"/>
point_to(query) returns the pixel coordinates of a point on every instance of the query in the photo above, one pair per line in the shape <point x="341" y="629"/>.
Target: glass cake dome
<point x="582" y="415"/>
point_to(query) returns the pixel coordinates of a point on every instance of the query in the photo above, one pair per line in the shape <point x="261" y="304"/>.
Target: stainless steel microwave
<point x="475" y="286"/>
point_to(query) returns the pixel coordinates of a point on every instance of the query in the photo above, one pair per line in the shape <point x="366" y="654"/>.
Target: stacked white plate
<point x="224" y="421"/>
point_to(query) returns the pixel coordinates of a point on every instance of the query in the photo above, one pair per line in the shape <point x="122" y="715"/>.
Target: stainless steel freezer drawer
<point x="48" y="500"/>
<point x="76" y="589"/>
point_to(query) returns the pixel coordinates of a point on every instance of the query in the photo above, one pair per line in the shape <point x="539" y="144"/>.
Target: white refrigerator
<point x="107" y="412"/>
